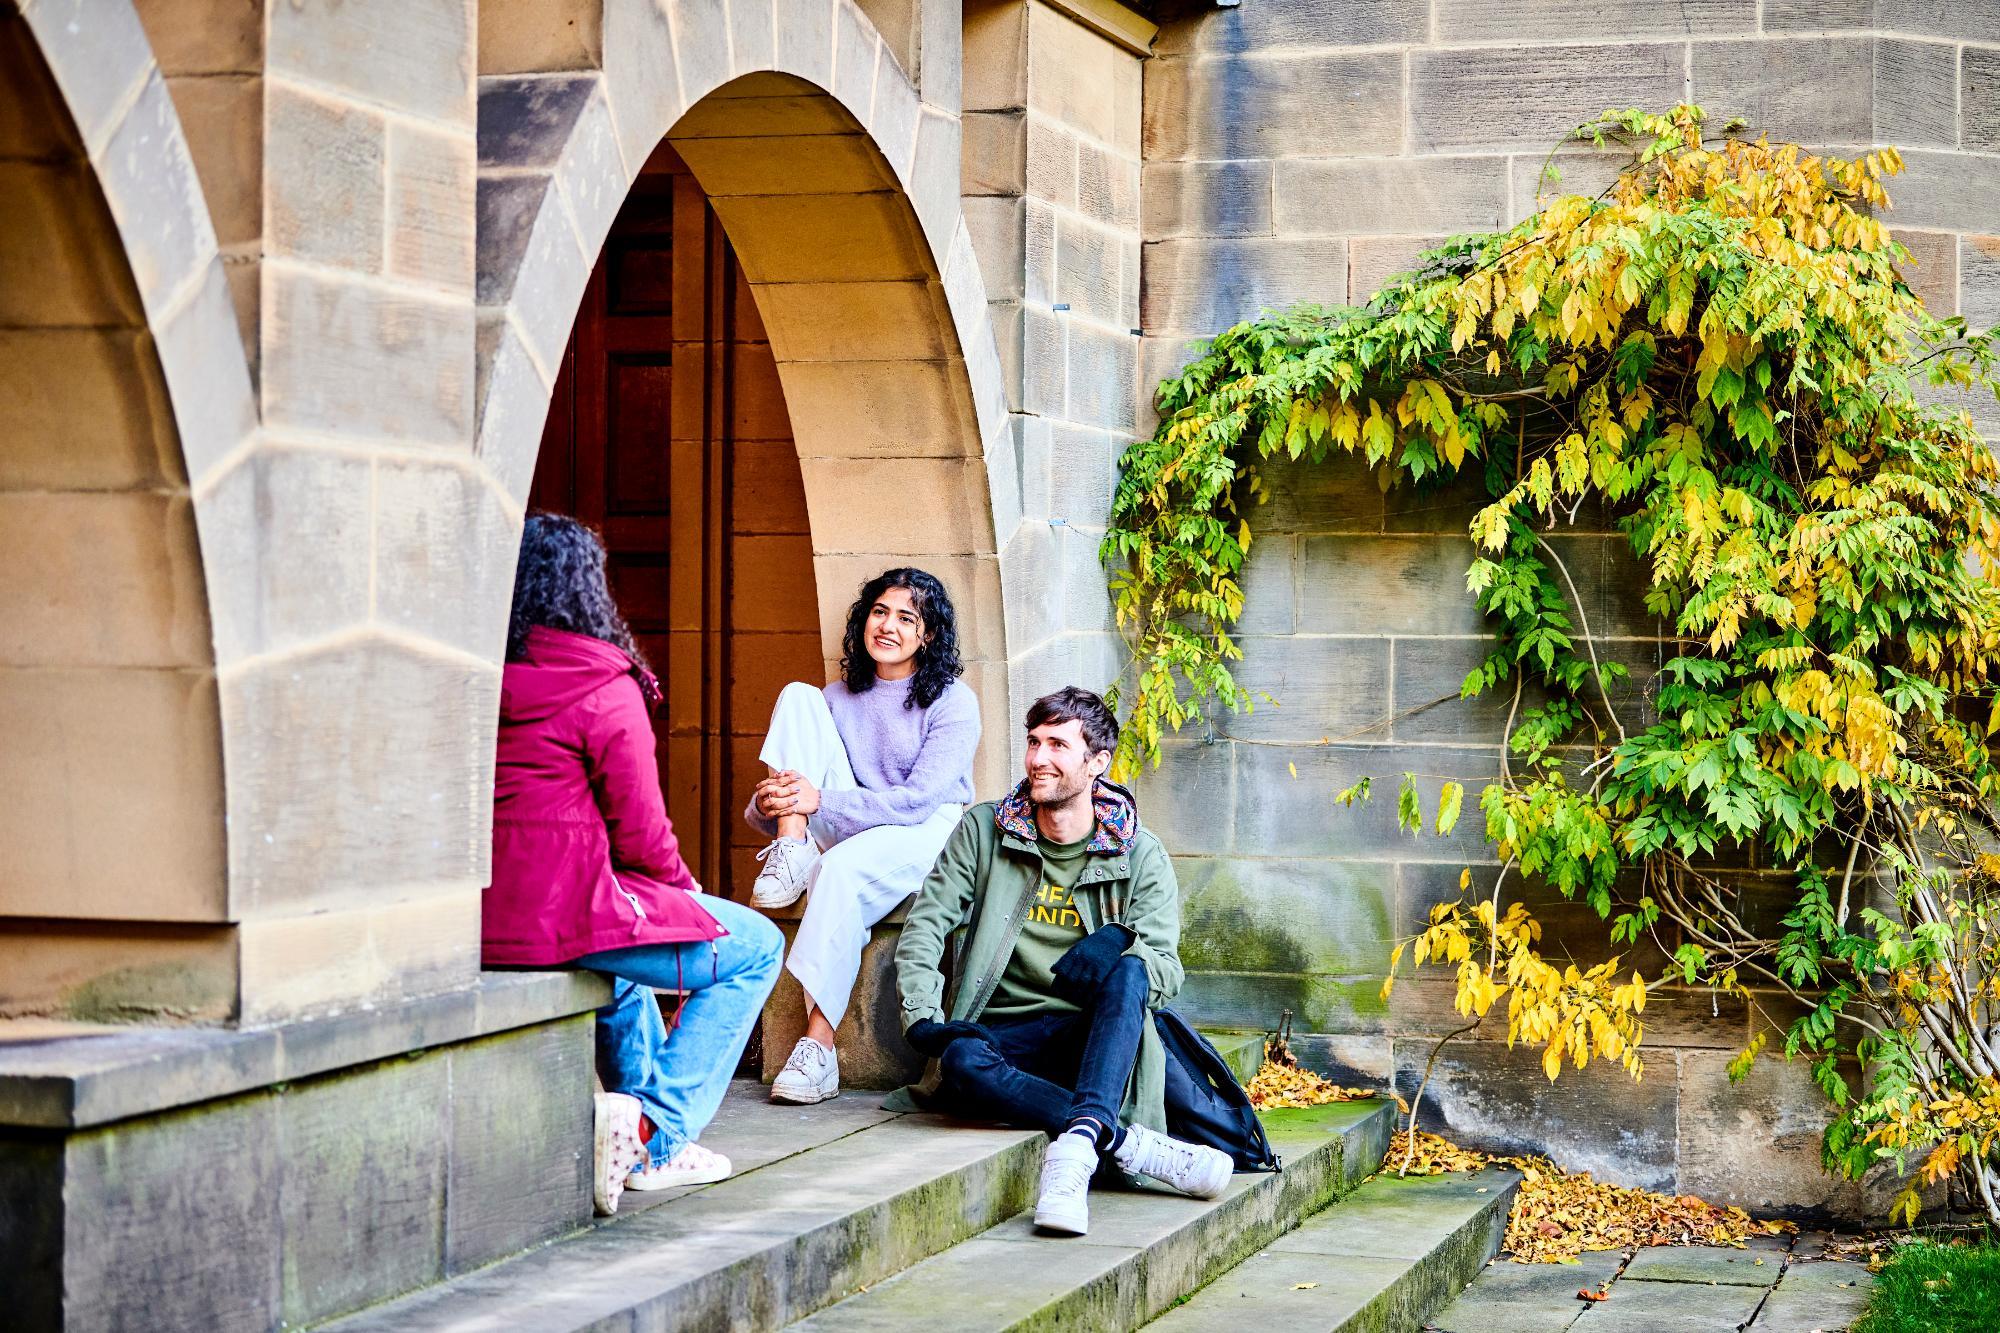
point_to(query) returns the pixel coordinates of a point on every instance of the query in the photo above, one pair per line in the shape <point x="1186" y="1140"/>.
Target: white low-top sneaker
<point x="1064" y="1202"/>
<point x="812" y="1074"/>
<point x="1191" y="1168"/>
<point x="616" y="1148"/>
<point x="788" y="864"/>
<point x="692" y="1165"/>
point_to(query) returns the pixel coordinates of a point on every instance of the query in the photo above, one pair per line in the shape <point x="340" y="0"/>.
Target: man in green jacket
<point x="1072" y="931"/>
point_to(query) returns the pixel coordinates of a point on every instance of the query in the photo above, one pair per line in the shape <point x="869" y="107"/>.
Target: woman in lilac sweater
<point x="868" y="777"/>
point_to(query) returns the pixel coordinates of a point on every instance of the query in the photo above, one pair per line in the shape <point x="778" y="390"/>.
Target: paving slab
<point x="1704" y="1264"/>
<point x="1813" y="1295"/>
<point x="1670" y="1307"/>
<point x="1508" y="1297"/>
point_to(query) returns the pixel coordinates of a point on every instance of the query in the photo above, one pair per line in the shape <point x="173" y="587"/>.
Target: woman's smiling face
<point x="895" y="631"/>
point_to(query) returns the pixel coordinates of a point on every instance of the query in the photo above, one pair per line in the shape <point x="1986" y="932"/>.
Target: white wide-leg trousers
<point x="858" y="880"/>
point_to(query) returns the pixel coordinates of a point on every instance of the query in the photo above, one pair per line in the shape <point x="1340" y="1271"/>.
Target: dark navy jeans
<point x="1048" y="1072"/>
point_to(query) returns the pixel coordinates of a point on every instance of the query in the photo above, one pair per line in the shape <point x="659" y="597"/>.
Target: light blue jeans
<point x="679" y="1080"/>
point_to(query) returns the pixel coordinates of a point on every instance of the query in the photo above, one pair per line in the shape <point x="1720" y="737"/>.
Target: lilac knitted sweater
<point x="908" y="761"/>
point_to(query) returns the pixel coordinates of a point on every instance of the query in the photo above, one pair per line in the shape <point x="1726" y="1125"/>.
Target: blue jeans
<point x="1050" y="1071"/>
<point x="680" y="1080"/>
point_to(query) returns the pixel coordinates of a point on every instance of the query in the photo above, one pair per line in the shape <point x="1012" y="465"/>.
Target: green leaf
<point x="1449" y="800"/>
<point x="1409" y="811"/>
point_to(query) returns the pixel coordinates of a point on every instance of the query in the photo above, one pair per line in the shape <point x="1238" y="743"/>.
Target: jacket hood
<point x="562" y="668"/>
<point x="1116" y="808"/>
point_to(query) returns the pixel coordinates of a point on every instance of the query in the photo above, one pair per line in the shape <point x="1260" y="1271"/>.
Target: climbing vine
<point x="1718" y="354"/>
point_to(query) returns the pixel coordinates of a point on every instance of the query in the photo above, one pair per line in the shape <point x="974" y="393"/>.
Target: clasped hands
<point x="786" y="793"/>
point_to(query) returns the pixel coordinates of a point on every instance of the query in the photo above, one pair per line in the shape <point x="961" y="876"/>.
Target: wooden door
<point x="667" y="432"/>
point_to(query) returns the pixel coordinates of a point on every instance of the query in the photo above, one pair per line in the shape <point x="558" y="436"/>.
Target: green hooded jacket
<point x="982" y="885"/>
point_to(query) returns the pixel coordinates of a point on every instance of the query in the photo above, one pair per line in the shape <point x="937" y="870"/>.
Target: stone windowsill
<point x="56" y="1075"/>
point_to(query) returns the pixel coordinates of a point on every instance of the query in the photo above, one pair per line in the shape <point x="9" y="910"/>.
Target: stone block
<point x="1107" y="186"/>
<point x="521" y="1111"/>
<point x="855" y="51"/>
<point x="855" y="321"/>
<point x="892" y="120"/>
<point x="97" y="55"/>
<point x="1272" y="104"/>
<point x="1033" y="585"/>
<point x="359" y="359"/>
<point x="823" y="238"/>
<point x="1397" y="196"/>
<point x="1044" y="387"/>
<point x="150" y="183"/>
<point x="53" y="251"/>
<point x="645" y="100"/>
<point x="1103" y="371"/>
<point x="1932" y="269"/>
<point x="1388" y="584"/>
<point x="1946" y="191"/>
<point x="1081" y="79"/>
<point x="529" y="37"/>
<point x="84" y="409"/>
<point x="1286" y="917"/>
<point x="362" y="1199"/>
<point x="1756" y="1144"/>
<point x="223" y="118"/>
<point x="1253" y="28"/>
<point x="205" y="36"/>
<point x="320" y="745"/>
<point x="527" y="122"/>
<point x="1203" y="286"/>
<point x="1425" y="693"/>
<point x="1539" y="178"/>
<point x="1207" y="199"/>
<point x="1086" y="592"/>
<point x="1038" y="252"/>
<point x="201" y="355"/>
<point x="1916" y="94"/>
<point x="1571" y="928"/>
<point x="805" y="41"/>
<point x="944" y="498"/>
<point x="1596" y="1119"/>
<point x="769" y="590"/>
<point x="97" y="751"/>
<point x="418" y="58"/>
<point x="444" y="542"/>
<point x="996" y="223"/>
<point x="1523" y="21"/>
<point x="116" y="582"/>
<point x="993" y="153"/>
<point x="1280" y="814"/>
<point x="1335" y="494"/>
<point x="873" y="1053"/>
<point x="1530" y="98"/>
<point x="430" y="208"/>
<point x="1035" y="445"/>
<point x="1807" y="89"/>
<point x="879" y="409"/>
<point x="1088" y="271"/>
<point x="1978" y="280"/>
<point x="591" y="175"/>
<point x="1374" y="261"/>
<point x="96" y="972"/>
<point x="765" y="165"/>
<point x="1083" y="474"/>
<point x="1967" y="21"/>
<point x="996" y="57"/>
<point x="139" y="1201"/>
<point x="1306" y="690"/>
<point x="1051" y="164"/>
<point x="34" y="122"/>
<point x="289" y="551"/>
<point x="1269" y="580"/>
<point x="513" y="406"/>
<point x="753" y="35"/>
<point x="326" y="961"/>
<point x="1319" y="1002"/>
<point x="1190" y="799"/>
<point x="1818" y="15"/>
<point x="1978" y="99"/>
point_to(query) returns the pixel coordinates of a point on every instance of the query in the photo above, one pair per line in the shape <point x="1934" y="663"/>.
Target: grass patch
<point x="1926" y="1287"/>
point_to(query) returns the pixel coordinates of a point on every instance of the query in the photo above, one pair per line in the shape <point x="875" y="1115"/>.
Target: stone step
<point x="1242" y="1051"/>
<point x="826" y="1200"/>
<point x="1393" y="1253"/>
<point x="1145" y="1250"/>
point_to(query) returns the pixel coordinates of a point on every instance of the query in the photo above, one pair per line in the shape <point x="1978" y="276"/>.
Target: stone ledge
<point x="58" y="1075"/>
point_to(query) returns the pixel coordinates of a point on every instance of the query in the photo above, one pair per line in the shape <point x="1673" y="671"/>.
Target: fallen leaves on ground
<point x="1559" y="1214"/>
<point x="1288" y="1085"/>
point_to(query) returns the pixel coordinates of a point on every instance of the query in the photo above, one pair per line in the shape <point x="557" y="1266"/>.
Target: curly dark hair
<point x="938" y="663"/>
<point x="559" y="582"/>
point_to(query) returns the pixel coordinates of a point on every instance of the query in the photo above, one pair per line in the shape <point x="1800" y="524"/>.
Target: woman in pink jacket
<point x="587" y="871"/>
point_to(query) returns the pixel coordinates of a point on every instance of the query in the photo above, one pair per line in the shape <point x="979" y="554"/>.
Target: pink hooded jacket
<point x="584" y="857"/>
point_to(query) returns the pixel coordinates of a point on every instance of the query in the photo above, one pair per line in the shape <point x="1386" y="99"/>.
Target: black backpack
<point x="1205" y="1103"/>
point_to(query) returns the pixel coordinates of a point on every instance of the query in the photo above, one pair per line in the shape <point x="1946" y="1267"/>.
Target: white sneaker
<point x="616" y="1148"/>
<point x="1064" y="1202"/>
<point x="692" y="1165"/>
<point x="788" y="863"/>
<point x="812" y="1074"/>
<point x="1191" y="1168"/>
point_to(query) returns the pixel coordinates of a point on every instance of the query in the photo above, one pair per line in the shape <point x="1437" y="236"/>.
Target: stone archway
<point x="122" y="377"/>
<point x="839" y="191"/>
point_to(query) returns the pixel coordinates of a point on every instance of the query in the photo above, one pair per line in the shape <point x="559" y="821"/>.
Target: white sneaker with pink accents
<point x="616" y="1148"/>
<point x="692" y="1165"/>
